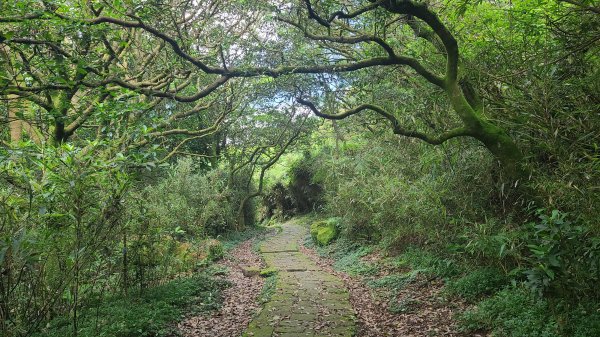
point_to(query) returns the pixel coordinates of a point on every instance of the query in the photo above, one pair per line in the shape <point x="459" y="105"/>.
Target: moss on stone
<point x="325" y="231"/>
<point x="250" y="271"/>
<point x="266" y="272"/>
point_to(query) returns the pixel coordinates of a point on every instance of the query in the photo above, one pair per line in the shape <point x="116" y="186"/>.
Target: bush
<point x="512" y="312"/>
<point x="150" y="314"/>
<point x="215" y="250"/>
<point x="428" y="262"/>
<point x="477" y="283"/>
<point x="304" y="190"/>
<point x="564" y="259"/>
<point x="491" y="242"/>
<point x="381" y="200"/>
<point x="196" y="203"/>
<point x="300" y="195"/>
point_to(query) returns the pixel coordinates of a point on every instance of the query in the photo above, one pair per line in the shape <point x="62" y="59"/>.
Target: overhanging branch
<point x="396" y="127"/>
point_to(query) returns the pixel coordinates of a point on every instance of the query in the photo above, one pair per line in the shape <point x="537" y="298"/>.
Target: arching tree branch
<point x="396" y="127"/>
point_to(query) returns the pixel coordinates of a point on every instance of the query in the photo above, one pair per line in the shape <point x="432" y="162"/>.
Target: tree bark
<point x="496" y="140"/>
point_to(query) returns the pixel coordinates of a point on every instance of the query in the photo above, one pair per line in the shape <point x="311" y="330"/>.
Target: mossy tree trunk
<point x="464" y="101"/>
<point x="496" y="140"/>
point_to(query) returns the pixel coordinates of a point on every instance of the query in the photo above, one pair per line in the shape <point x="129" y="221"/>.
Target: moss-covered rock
<point x="325" y="231"/>
<point x="268" y="272"/>
<point x="250" y="271"/>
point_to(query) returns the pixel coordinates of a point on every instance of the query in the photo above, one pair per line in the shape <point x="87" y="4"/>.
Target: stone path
<point x="307" y="301"/>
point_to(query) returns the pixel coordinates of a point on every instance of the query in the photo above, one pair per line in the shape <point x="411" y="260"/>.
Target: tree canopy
<point x="402" y="118"/>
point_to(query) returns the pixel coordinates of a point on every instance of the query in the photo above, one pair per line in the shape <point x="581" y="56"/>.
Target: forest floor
<point x="309" y="297"/>
<point x="239" y="301"/>
<point x="415" y="308"/>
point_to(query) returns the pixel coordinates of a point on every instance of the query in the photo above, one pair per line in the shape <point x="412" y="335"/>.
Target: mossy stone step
<point x="305" y="297"/>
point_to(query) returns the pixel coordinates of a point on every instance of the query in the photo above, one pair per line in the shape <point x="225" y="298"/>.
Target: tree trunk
<point x="14" y="124"/>
<point x="241" y="211"/>
<point x="494" y="138"/>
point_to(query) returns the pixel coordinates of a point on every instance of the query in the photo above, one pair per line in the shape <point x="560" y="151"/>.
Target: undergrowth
<point x="505" y="304"/>
<point x="153" y="312"/>
<point x="268" y="288"/>
<point x="347" y="256"/>
<point x="148" y="314"/>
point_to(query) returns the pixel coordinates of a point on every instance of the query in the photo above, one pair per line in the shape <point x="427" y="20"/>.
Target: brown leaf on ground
<point x="240" y="301"/>
<point x="427" y="313"/>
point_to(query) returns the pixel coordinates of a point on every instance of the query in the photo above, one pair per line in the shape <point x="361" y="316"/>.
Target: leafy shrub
<point x="584" y="321"/>
<point x="304" y="189"/>
<point x="563" y="257"/>
<point x="381" y="200"/>
<point x="147" y="315"/>
<point x="300" y="195"/>
<point x="482" y="281"/>
<point x="278" y="202"/>
<point x="490" y="242"/>
<point x="196" y="203"/>
<point x="350" y="262"/>
<point x="215" y="250"/>
<point x="512" y="312"/>
<point x="428" y="262"/>
<point x="60" y="214"/>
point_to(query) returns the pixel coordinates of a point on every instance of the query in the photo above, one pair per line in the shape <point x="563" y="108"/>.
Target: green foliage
<point x="346" y="254"/>
<point x="399" y="204"/>
<point x="215" y="250"/>
<point x="268" y="289"/>
<point x="72" y="226"/>
<point x="478" y="283"/>
<point x="149" y="314"/>
<point x="58" y="213"/>
<point x="300" y="195"/>
<point x="305" y="191"/>
<point x="514" y="312"/>
<point x="517" y="312"/>
<point x="268" y="272"/>
<point x="428" y="262"/>
<point x="393" y="284"/>
<point x="348" y="258"/>
<point x="197" y="203"/>
<point x="562" y="255"/>
<point x="491" y="242"/>
<point x="230" y="240"/>
<point x="583" y="320"/>
<point x="324" y="231"/>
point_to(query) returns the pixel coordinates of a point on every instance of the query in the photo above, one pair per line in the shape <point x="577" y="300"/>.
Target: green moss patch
<point x="325" y="231"/>
<point x="266" y="272"/>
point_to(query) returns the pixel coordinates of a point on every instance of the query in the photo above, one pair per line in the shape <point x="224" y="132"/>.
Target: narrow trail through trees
<point x="307" y="301"/>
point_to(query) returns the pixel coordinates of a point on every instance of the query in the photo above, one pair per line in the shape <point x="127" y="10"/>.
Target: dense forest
<point x="438" y="158"/>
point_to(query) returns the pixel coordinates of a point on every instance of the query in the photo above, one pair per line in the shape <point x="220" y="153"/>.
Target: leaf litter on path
<point x="426" y="314"/>
<point x="240" y="300"/>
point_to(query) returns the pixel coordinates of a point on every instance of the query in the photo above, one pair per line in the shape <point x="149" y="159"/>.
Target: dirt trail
<point x="308" y="301"/>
